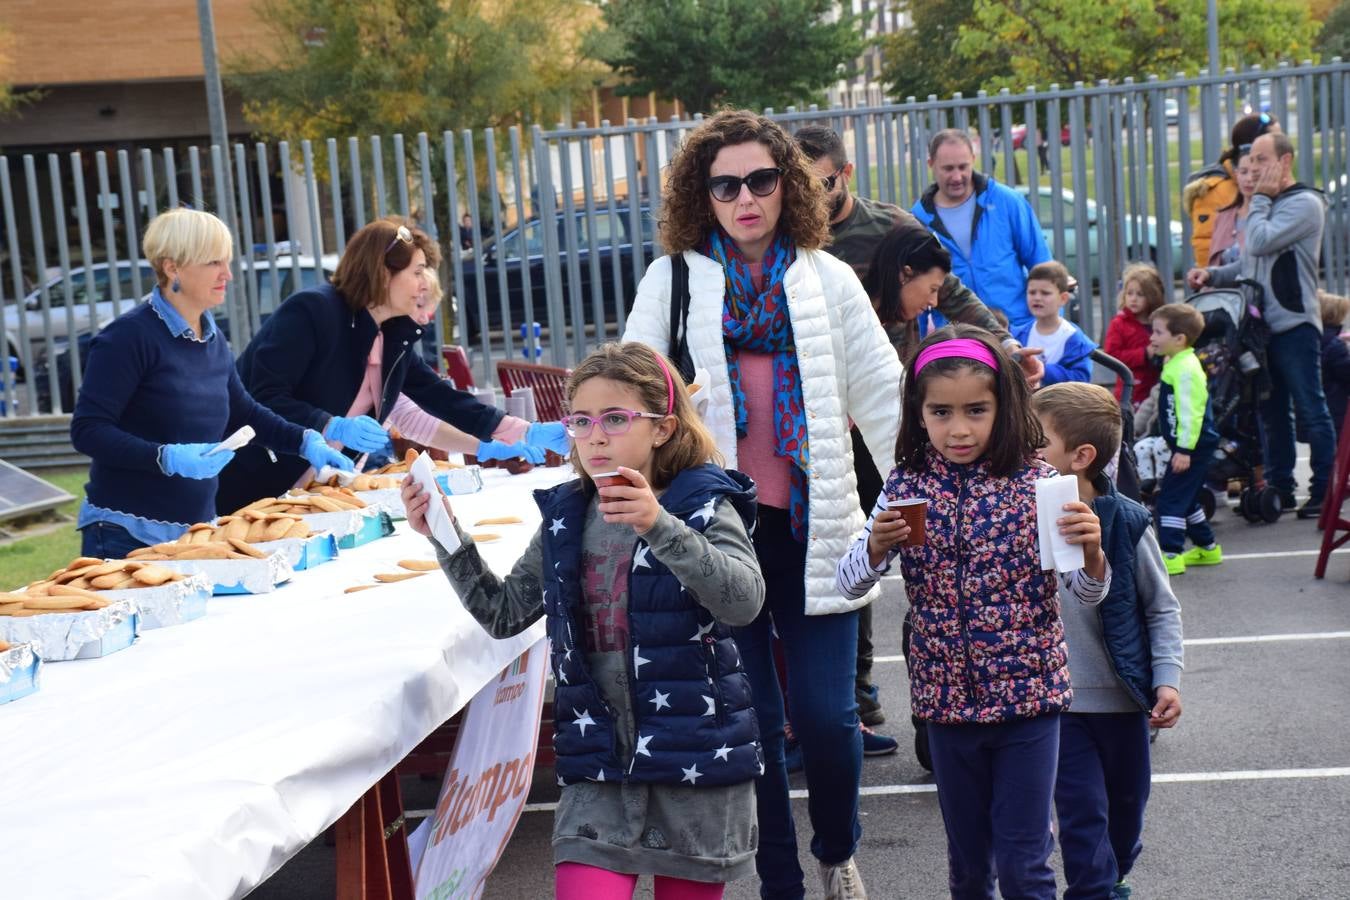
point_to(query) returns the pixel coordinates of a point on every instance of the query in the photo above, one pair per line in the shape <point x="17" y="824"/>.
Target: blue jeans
<point x="104" y="540"/>
<point x="1178" y="505"/>
<point x="821" y="652"/>
<point x="1100" y="795"/>
<point x="1295" y="358"/>
<point x="995" y="784"/>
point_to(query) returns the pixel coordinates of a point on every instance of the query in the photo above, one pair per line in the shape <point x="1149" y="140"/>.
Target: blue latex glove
<point x="360" y="433"/>
<point x="550" y="436"/>
<point x="497" y="450"/>
<point x="318" y="454"/>
<point x="191" y="461"/>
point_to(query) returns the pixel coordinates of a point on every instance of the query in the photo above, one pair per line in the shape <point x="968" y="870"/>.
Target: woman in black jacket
<point x="335" y="358"/>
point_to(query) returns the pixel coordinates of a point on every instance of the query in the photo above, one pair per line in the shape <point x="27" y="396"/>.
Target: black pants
<point x="869" y="488"/>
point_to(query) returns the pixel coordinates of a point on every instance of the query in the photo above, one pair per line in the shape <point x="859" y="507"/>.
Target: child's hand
<point x="889" y="529"/>
<point x="635" y="505"/>
<point x="1167" y="710"/>
<point x="1081" y="526"/>
<point x="1180" y="462"/>
<point x="415" y="503"/>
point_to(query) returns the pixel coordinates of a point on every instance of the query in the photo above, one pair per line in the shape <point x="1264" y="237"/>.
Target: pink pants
<point x="575" y="881"/>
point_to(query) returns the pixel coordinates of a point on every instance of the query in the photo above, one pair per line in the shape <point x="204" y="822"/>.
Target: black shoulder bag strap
<point x="679" y="317"/>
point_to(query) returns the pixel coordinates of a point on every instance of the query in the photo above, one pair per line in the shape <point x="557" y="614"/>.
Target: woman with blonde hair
<point x="150" y="413"/>
<point x="785" y="341"/>
<point x="336" y="357"/>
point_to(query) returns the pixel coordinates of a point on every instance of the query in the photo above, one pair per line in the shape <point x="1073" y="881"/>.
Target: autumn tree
<point x="921" y="59"/>
<point x="1070" y="40"/>
<point x="711" y="53"/>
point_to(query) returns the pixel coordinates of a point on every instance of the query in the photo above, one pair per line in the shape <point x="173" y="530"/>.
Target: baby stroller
<point x="1232" y="348"/>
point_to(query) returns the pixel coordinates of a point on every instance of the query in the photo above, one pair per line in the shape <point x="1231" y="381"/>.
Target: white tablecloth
<point x="196" y="762"/>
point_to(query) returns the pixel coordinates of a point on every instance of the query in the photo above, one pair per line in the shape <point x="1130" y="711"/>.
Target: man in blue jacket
<point x="990" y="230"/>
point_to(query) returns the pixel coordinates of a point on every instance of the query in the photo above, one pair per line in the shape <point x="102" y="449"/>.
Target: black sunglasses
<point x="761" y="182"/>
<point x="402" y="235"/>
<point x="829" y="182"/>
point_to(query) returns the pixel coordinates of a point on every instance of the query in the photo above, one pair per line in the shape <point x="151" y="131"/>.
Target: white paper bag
<point x="423" y="471"/>
<point x="1051" y="495"/>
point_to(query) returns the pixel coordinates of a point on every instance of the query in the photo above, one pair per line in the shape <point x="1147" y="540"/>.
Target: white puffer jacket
<point x="849" y="370"/>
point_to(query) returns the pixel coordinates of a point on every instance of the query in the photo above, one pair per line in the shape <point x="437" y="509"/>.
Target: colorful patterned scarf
<point x="758" y="321"/>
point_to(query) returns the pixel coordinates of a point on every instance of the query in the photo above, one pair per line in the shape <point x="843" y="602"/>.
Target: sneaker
<point x="877" y="744"/>
<point x="869" y="705"/>
<point x="1311" y="508"/>
<point x="1121" y="891"/>
<point x="842" y="882"/>
<point x="1175" y="562"/>
<point x="1199" y="556"/>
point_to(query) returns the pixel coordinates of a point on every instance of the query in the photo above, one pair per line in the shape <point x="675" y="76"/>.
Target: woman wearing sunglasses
<point x="335" y="358"/>
<point x="789" y="350"/>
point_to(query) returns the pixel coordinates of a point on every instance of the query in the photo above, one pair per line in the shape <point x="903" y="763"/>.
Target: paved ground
<point x="1252" y="789"/>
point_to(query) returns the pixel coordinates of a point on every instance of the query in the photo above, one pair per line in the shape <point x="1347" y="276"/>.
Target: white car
<point x="106" y="309"/>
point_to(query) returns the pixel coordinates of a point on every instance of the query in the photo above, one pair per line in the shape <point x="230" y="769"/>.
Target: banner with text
<point x="486" y="784"/>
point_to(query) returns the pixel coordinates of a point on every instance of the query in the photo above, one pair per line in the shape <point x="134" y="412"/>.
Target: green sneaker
<point x="1121" y="891"/>
<point x="1199" y="556"/>
<point x="1175" y="562"/>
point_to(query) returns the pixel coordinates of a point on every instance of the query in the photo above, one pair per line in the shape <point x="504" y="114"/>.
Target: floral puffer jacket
<point x="988" y="643"/>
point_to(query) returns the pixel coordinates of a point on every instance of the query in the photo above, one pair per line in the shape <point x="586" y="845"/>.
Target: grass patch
<point x="30" y="558"/>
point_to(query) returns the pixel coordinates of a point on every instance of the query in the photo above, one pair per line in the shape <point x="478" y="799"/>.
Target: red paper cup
<point x="915" y="512"/>
<point x="610" y="479"/>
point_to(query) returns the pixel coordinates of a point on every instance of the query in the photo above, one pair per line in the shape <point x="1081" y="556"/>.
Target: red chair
<point x="548" y="382"/>
<point x="1335" y="529"/>
<point x="457" y="366"/>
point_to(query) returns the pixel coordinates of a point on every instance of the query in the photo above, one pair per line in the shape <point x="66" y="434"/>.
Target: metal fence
<point x="562" y="222"/>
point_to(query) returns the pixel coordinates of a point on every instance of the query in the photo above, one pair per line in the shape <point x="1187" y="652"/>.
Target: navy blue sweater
<point x="144" y="387"/>
<point x="306" y="364"/>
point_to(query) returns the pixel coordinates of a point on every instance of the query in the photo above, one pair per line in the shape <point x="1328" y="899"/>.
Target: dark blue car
<point x="599" y="254"/>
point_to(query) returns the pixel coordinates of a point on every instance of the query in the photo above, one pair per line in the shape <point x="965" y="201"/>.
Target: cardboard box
<point x="303" y="553"/>
<point x="169" y="604"/>
<point x="20" y="670"/>
<point x="90" y="634"/>
<point x="239" y="576"/>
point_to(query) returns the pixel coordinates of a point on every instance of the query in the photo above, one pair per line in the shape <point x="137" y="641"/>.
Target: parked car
<point x="1071" y="243"/>
<point x="1171" y="110"/>
<point x="103" y="276"/>
<point x="1019" y="136"/>
<point x="505" y="253"/>
<point x="259" y="269"/>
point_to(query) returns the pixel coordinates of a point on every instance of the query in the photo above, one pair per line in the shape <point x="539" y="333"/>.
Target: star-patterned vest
<point x="691" y="697"/>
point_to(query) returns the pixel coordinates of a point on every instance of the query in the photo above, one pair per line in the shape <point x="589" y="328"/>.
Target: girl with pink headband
<point x="988" y="668"/>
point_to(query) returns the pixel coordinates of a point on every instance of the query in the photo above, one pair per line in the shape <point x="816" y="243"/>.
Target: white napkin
<point x="423" y="471"/>
<point x="234" y="441"/>
<point x="1056" y="551"/>
<point x="701" y="396"/>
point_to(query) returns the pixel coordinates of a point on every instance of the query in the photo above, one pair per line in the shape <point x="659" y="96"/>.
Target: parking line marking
<point x="1211" y="641"/>
<point x="1264" y="638"/>
<point x="1278" y="554"/>
<point x="890" y="790"/>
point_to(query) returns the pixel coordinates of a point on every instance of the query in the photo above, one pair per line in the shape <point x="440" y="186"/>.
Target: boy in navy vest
<point x="1124" y="656"/>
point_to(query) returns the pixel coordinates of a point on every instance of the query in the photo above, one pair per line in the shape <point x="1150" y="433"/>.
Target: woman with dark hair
<point x="1216" y="187"/>
<point x="784" y="340"/>
<point x="336" y="357"/>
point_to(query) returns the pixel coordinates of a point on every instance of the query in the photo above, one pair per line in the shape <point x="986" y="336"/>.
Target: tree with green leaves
<point x="921" y="59"/>
<point x="1070" y="40"/>
<point x="335" y="68"/>
<point x="712" y="53"/>
<point x="1334" y="39"/>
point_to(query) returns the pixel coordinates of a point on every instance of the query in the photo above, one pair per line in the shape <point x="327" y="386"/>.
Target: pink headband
<point x="965" y="348"/>
<point x="670" y="383"/>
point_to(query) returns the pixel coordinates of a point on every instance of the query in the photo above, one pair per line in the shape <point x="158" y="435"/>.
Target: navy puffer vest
<point x="1124" y="629"/>
<point x="690" y="696"/>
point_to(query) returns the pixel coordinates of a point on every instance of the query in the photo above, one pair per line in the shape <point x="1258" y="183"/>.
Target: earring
<point x="176" y="286"/>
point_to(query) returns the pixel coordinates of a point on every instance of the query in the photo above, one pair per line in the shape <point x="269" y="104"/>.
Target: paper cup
<point x="915" y="511"/>
<point x="610" y="479"/>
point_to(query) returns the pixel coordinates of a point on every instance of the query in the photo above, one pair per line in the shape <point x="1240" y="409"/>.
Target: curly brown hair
<point x="686" y="211"/>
